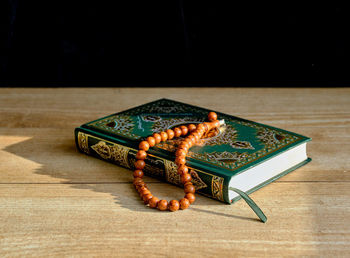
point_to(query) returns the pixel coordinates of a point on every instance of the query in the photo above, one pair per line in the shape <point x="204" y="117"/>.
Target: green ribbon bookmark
<point x="251" y="203"/>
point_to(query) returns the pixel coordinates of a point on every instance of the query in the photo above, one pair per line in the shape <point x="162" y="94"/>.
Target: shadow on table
<point x="60" y="159"/>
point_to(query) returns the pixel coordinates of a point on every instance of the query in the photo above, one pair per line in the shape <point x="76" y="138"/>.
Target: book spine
<point x="206" y="183"/>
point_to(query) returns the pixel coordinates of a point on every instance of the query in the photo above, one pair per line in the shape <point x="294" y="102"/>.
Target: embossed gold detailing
<point x="217" y="187"/>
<point x="102" y="149"/>
<point x="118" y="124"/>
<point x="228" y="159"/>
<point x="83" y="142"/>
<point x="227" y="156"/>
<point x="270" y="137"/>
<point x="151" y="118"/>
<point x="172" y="176"/>
<point x="165" y="106"/>
<point x="196" y="180"/>
<point x="242" y="145"/>
<point x="113" y="152"/>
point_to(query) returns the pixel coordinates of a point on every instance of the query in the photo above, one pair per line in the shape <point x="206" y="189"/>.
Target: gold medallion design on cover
<point x="113" y="152"/>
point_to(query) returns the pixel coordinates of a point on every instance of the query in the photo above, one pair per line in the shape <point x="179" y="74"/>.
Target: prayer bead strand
<point x="193" y="133"/>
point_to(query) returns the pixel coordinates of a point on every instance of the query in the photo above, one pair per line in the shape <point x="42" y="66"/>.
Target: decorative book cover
<point x="222" y="154"/>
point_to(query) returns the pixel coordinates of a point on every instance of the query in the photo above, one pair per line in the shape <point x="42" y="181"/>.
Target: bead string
<point x="194" y="133"/>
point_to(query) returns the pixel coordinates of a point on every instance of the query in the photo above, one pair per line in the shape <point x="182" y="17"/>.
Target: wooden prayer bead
<point x="184" y="147"/>
<point x="195" y="136"/>
<point x="141" y="188"/>
<point x="164" y="136"/>
<point x="216" y="123"/>
<point x="184" y="144"/>
<point x="191" y="127"/>
<point x="162" y="205"/>
<point x="200" y="132"/>
<point x="184" y="129"/>
<point x="177" y="132"/>
<point x="212" y="116"/>
<point x="151" y="141"/>
<point x="170" y="133"/>
<point x="206" y="128"/>
<point x="146" y="198"/>
<point x="200" y="127"/>
<point x="184" y="203"/>
<point x="189" y="188"/>
<point x="174" y="205"/>
<point x="180" y="152"/>
<point x="157" y="137"/>
<point x="153" y="202"/>
<point x="190" y="140"/>
<point x="180" y="160"/>
<point x="138" y="173"/>
<point x="137" y="180"/>
<point x="145" y="192"/>
<point x="144" y="146"/>
<point x="183" y="169"/>
<point x="141" y="154"/>
<point x="140" y="164"/>
<point x="190" y="197"/>
<point x="196" y="132"/>
<point x="185" y="178"/>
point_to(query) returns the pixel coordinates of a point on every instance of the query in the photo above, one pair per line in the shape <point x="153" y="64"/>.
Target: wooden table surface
<point x="56" y="201"/>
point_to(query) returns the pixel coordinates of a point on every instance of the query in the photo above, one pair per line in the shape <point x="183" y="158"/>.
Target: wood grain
<point x="55" y="201"/>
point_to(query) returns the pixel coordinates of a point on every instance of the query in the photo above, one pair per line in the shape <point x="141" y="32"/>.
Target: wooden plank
<point x="99" y="219"/>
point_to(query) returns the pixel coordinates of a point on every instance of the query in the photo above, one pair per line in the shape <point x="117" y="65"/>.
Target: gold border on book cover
<point x="83" y="141"/>
<point x="217" y="187"/>
<point x="113" y="152"/>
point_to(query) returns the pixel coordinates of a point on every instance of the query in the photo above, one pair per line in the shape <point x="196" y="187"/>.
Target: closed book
<point x="242" y="154"/>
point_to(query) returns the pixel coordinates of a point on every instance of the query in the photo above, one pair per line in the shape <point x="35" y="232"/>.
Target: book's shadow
<point x="59" y="158"/>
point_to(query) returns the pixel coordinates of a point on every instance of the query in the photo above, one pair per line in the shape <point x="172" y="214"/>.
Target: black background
<point x="131" y="43"/>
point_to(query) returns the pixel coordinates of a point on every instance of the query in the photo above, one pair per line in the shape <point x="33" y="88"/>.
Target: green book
<point x="241" y="154"/>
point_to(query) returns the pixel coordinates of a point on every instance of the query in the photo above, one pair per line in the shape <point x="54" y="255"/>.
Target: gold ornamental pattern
<point x="83" y="142"/>
<point x="172" y="176"/>
<point x="113" y="152"/>
<point x="119" y="124"/>
<point x="227" y="157"/>
<point x="217" y="185"/>
<point x="270" y="137"/>
<point x="163" y="106"/>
